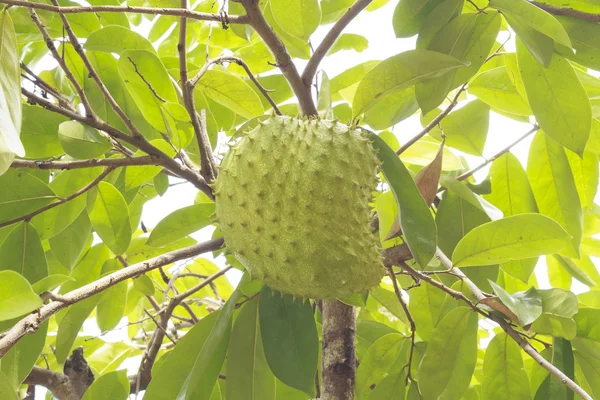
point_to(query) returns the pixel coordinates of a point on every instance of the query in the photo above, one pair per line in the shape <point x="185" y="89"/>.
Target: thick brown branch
<point x="311" y="68"/>
<point x="78" y="193"/>
<point x="282" y="57"/>
<point x="178" y="12"/>
<point x="78" y="164"/>
<point x="569" y="12"/>
<point x="32" y="322"/>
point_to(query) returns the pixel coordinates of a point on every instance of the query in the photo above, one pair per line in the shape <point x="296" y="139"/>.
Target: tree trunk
<point x="339" y="356"/>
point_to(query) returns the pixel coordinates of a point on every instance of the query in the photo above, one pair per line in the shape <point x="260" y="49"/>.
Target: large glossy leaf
<point x="589" y="364"/>
<point x="437" y="20"/>
<point x="68" y="245"/>
<point x="116" y="39"/>
<point x="181" y="223"/>
<point x="503" y="372"/>
<point x="16" y="296"/>
<point x="588" y="323"/>
<point x="231" y="92"/>
<point x="377" y="362"/>
<point x="7" y="390"/>
<point x="585" y="173"/>
<point x="10" y="94"/>
<point x="562" y="358"/>
<point x="469" y="38"/>
<point x="21" y="194"/>
<point x="511" y="238"/>
<point x="511" y="191"/>
<point x="81" y="141"/>
<point x="495" y="88"/>
<point x="585" y="38"/>
<point x="112" y="303"/>
<point x="246" y="363"/>
<point x="111" y="386"/>
<point x="109" y="216"/>
<point x="400" y="72"/>
<point x="557" y="99"/>
<point x="416" y="221"/>
<point x="71" y="324"/>
<point x="39" y="132"/>
<point x="20" y="359"/>
<point x="392" y="387"/>
<point x="391" y="109"/>
<point x="554" y="188"/>
<point x="425" y="306"/>
<point x="410" y="14"/>
<point x="290" y="340"/>
<point x="558" y="308"/>
<point x="451" y="355"/>
<point x="298" y="18"/>
<point x="22" y="252"/>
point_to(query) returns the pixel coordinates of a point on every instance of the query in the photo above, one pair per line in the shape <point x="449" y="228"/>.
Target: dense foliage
<point x="489" y="288"/>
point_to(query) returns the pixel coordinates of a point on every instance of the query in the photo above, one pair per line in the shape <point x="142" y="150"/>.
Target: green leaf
<point x="465" y="129"/>
<point x="155" y="81"/>
<point x="181" y="223"/>
<point x="574" y="270"/>
<point x="246" y="363"/>
<point x="324" y="99"/>
<point x="22" y="194"/>
<point x="590" y="367"/>
<point x="290" y="339"/>
<point x="392" y="108"/>
<point x="111" y="306"/>
<point x="7" y="391"/>
<point x="410" y="14"/>
<point x="495" y="88"/>
<point x="400" y="72"/>
<point x="349" y="41"/>
<point x="10" y="94"/>
<point x="585" y="37"/>
<point x="535" y="17"/>
<point x="68" y="245"/>
<point x="451" y="355"/>
<point x="425" y="306"/>
<point x="554" y="188"/>
<point x="424" y="152"/>
<point x="511" y="238"/>
<point x="539" y="45"/>
<point x="527" y="306"/>
<point x="416" y="221"/>
<point x="16" y="296"/>
<point x="39" y="132"/>
<point x="299" y="18"/>
<point x="503" y="372"/>
<point x="520" y="269"/>
<point x="22" y="252"/>
<point x="377" y="362"/>
<point x="469" y="38"/>
<point x="116" y="39"/>
<point x="231" y="92"/>
<point x="437" y="20"/>
<point x="511" y="191"/>
<point x="111" y="386"/>
<point x="109" y="216"/>
<point x="585" y="174"/>
<point x="392" y="387"/>
<point x="562" y="358"/>
<point x="50" y="282"/>
<point x="20" y="359"/>
<point x="588" y="323"/>
<point x="351" y="76"/>
<point x="81" y="141"/>
<point x="71" y="324"/>
<point x="144" y="284"/>
<point x="558" y="100"/>
<point x="558" y="308"/>
<point x="209" y="361"/>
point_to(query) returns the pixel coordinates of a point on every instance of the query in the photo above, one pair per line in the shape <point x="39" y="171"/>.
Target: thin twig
<point x="79" y="164"/>
<point x="158" y="326"/>
<point x="63" y="200"/>
<point x="329" y="39"/>
<point x="148" y="84"/>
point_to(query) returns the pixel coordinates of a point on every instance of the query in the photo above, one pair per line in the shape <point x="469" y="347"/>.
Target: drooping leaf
<point x="410" y="14"/>
<point x="298" y="18"/>
<point x="22" y="252"/>
<point x="584" y="37"/>
<point x="111" y="386"/>
<point x="10" y="94"/>
<point x="526" y="306"/>
<point x="437" y="20"/>
<point x="290" y="340"/>
<point x="585" y="174"/>
<point x="425" y="306"/>
<point x="16" y="296"/>
<point x="503" y="372"/>
<point x="377" y="361"/>
<point x="574" y="270"/>
<point x="511" y="191"/>
<point x="246" y="364"/>
<point x="6" y="388"/>
<point x="68" y="245"/>
<point x="109" y="216"/>
<point x="416" y="221"/>
<point x="558" y="308"/>
<point x="562" y="358"/>
<point x="451" y="355"/>
<point x="111" y="306"/>
<point x="181" y="223"/>
<point x="511" y="238"/>
<point x="554" y="188"/>
<point x="557" y="99"/>
<point x="400" y="72"/>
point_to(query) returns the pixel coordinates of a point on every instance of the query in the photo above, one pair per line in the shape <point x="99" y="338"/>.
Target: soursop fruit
<point x="292" y="200"/>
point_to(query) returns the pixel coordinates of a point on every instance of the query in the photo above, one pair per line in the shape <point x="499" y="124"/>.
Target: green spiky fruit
<point x="292" y="200"/>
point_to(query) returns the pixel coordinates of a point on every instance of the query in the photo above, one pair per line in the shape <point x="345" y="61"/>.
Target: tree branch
<point x="177" y="12"/>
<point x="31" y="323"/>
<point x="78" y="164"/>
<point x="311" y="68"/>
<point x="569" y="12"/>
<point x="282" y="57"/>
<point x="47" y="207"/>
